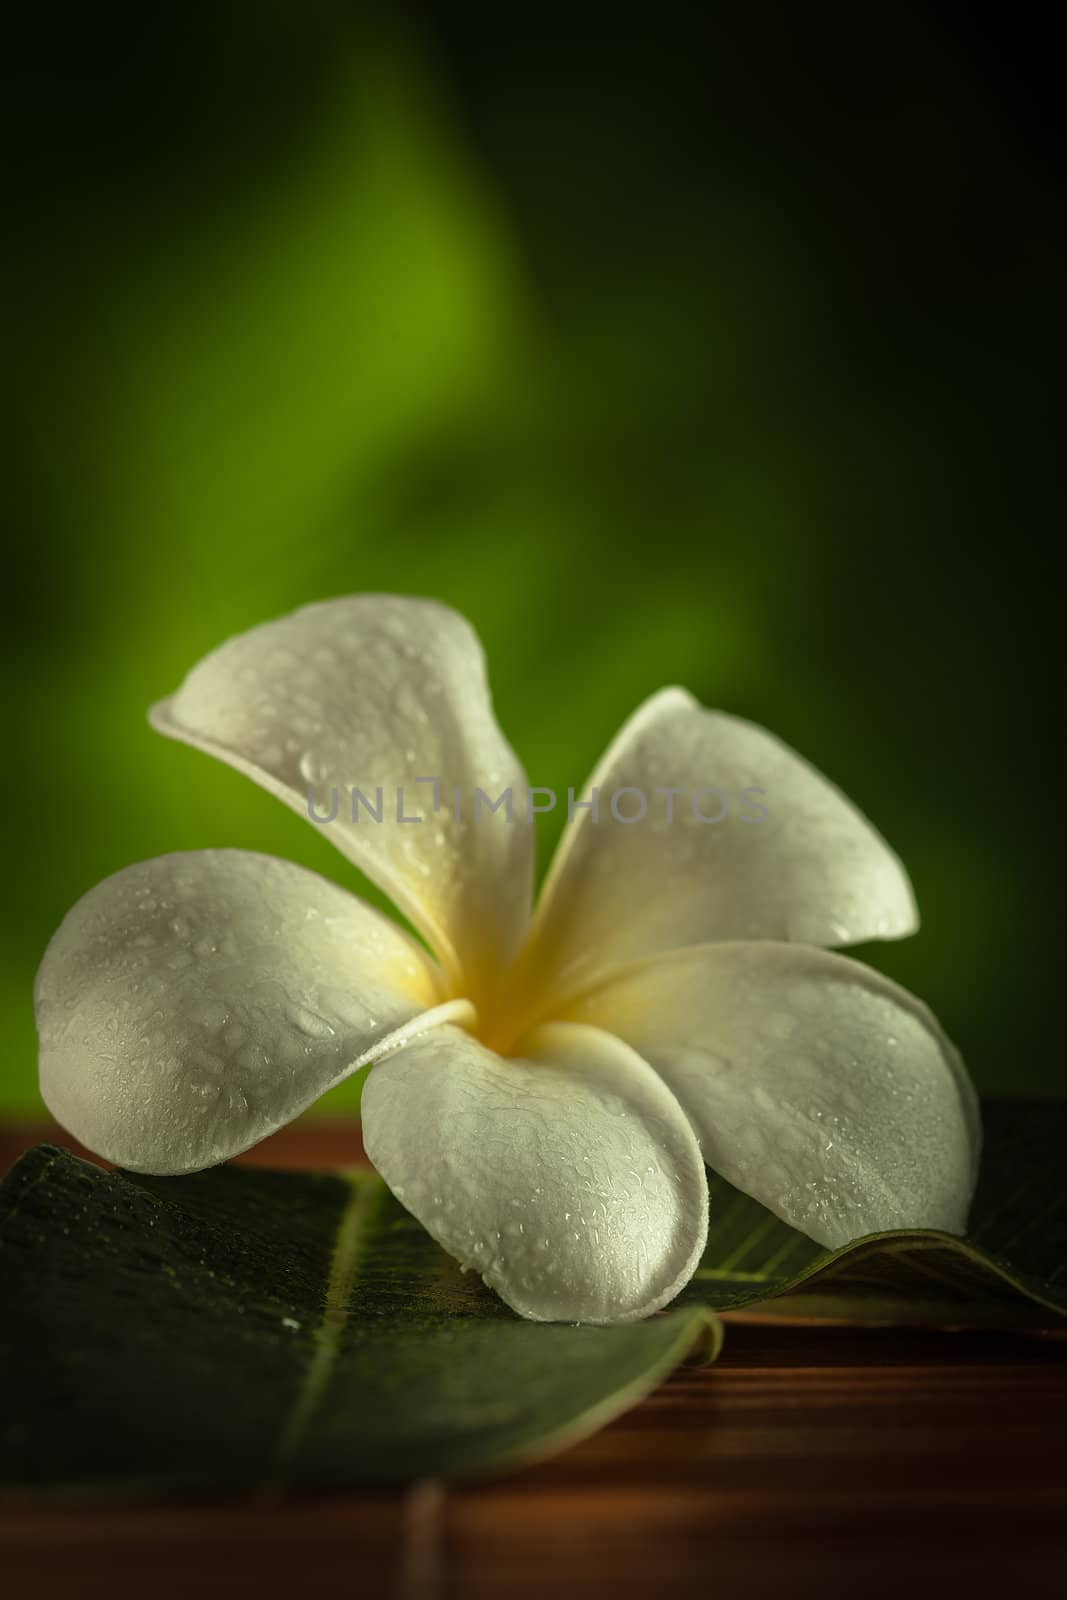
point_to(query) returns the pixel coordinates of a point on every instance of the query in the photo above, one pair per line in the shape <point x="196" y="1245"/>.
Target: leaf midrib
<point x="352" y="1229"/>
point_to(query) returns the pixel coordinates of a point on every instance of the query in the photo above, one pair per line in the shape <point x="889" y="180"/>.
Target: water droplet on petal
<point x="310" y="1023"/>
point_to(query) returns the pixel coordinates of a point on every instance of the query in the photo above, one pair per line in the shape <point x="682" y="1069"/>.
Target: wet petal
<point x="569" y="1177"/>
<point x="379" y="692"/>
<point x="191" y="1005"/>
<point x="828" y="1093"/>
<point x="812" y="871"/>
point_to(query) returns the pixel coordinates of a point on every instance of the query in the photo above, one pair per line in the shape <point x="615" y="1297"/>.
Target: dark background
<point x="720" y="347"/>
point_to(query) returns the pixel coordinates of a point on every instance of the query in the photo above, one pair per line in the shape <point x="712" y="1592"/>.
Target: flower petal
<point x="369" y="692"/>
<point x="191" y="1005"/>
<point x="816" y="1085"/>
<point x="569" y="1178"/>
<point x="814" y="870"/>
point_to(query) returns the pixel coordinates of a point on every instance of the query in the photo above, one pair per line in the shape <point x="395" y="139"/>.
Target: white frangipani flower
<point x="546" y="1090"/>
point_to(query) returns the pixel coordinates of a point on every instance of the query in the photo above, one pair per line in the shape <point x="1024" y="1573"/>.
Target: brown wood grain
<point x="808" y="1461"/>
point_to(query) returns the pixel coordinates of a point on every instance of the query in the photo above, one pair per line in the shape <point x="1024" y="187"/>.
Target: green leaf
<point x="245" y="1327"/>
<point x="1010" y="1270"/>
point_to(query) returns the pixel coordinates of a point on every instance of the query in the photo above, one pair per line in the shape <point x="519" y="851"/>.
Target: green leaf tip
<point x="1010" y="1271"/>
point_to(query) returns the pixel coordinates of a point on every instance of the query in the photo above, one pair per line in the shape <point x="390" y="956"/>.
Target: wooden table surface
<point x="810" y="1460"/>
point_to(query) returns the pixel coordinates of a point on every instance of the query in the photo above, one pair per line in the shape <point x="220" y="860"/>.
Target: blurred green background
<point x="719" y="350"/>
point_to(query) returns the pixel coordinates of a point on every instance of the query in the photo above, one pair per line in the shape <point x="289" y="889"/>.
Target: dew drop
<point x="312" y="767"/>
<point x="310" y="1023"/>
